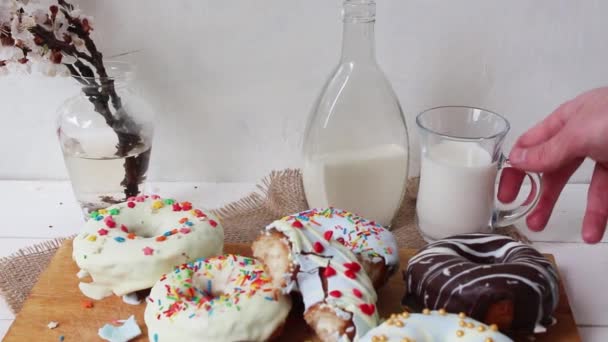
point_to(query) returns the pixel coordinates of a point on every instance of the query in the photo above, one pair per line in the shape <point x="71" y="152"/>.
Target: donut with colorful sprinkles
<point x="225" y="298"/>
<point x="129" y="246"/>
<point x="314" y="252"/>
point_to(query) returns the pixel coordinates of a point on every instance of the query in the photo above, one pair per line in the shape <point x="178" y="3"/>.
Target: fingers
<point x="510" y="182"/>
<point x="596" y="215"/>
<point x="547" y="128"/>
<point x="550" y="155"/>
<point x="552" y="185"/>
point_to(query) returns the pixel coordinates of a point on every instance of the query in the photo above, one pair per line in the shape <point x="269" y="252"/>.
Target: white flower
<point x="19" y="68"/>
<point x="79" y="44"/>
<point x="67" y="59"/>
<point x="19" y="30"/>
<point x="40" y="16"/>
<point x="75" y="13"/>
<point x="11" y="54"/>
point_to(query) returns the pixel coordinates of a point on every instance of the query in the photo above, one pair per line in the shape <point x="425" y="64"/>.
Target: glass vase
<point x="105" y="133"/>
<point x="356" y="140"/>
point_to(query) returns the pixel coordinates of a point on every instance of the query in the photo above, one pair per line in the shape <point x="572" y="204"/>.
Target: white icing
<point x="434" y="328"/>
<point x="82" y="274"/>
<point x="94" y="291"/>
<point x="361" y="236"/>
<point x="124" y="267"/>
<point x="234" y="301"/>
<point x="131" y="299"/>
<point x="334" y="255"/>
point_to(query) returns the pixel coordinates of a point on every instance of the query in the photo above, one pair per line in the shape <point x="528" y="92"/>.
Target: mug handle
<point x="503" y="218"/>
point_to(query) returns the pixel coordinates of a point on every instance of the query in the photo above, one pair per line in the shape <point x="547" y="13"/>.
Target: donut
<point x="224" y="298"/>
<point x="128" y="246"/>
<point x="434" y="326"/>
<point x="491" y="278"/>
<point x="375" y="247"/>
<point x="301" y="253"/>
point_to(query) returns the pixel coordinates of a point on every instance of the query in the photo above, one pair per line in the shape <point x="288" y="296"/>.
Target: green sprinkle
<point x="93" y="214"/>
<point x="169" y="201"/>
<point x="114" y="211"/>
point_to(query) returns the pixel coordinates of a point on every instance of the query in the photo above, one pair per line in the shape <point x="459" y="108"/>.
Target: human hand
<point x="557" y="146"/>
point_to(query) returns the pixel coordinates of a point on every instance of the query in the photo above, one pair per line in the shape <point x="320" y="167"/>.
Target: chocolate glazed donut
<point x="491" y="278"/>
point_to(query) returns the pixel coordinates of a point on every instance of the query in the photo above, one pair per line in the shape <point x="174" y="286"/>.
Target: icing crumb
<point x="52" y="325"/>
<point x="126" y="332"/>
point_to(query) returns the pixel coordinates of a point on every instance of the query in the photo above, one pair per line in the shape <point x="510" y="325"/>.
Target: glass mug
<point x="460" y="162"/>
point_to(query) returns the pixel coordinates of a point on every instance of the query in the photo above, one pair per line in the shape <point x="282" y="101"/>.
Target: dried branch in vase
<point x="57" y="41"/>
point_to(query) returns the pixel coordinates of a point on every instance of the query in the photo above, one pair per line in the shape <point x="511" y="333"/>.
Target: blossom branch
<point x="60" y="36"/>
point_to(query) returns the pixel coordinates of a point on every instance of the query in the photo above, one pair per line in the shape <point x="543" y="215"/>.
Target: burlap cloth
<point x="280" y="194"/>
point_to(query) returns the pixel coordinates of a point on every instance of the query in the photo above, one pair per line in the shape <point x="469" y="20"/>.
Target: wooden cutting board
<point x="56" y="297"/>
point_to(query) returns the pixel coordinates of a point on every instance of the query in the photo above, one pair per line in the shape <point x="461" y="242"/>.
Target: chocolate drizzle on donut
<point x="491" y="278"/>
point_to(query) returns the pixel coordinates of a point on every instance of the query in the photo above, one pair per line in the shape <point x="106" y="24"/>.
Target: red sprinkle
<point x="350" y="274"/>
<point x="186" y="205"/>
<point x="161" y="238"/>
<point x="199" y="213"/>
<point x="335" y="293"/>
<point x="174" y="231"/>
<point x="176" y="207"/>
<point x="124" y="228"/>
<point x="213" y="223"/>
<point x="297" y="224"/>
<point x="367" y="309"/>
<point x="357" y="293"/>
<point x="87" y="304"/>
<point x="110" y="223"/>
<point x="328" y="234"/>
<point x="102" y="232"/>
<point x="318" y="247"/>
<point x="183" y="220"/>
<point x="353" y="266"/>
<point x="329" y="272"/>
<point x="155" y="197"/>
<point x="131" y="204"/>
<point x="341" y="240"/>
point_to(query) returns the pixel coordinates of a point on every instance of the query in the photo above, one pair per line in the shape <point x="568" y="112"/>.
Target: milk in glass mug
<point x="460" y="161"/>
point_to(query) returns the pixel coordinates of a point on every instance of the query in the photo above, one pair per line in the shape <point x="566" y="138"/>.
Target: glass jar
<point x="356" y="140"/>
<point x="105" y="133"/>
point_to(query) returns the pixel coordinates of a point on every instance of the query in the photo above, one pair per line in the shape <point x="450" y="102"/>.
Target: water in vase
<point x="98" y="176"/>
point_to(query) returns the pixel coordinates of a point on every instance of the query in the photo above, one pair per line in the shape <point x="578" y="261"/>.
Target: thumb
<point x="546" y="156"/>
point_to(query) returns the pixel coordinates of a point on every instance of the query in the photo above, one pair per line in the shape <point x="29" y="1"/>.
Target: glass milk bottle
<point x="356" y="142"/>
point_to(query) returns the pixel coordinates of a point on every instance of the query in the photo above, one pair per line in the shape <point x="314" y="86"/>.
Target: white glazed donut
<point x="225" y="298"/>
<point x="434" y="326"/>
<point x="312" y="252"/>
<point x="128" y="246"/>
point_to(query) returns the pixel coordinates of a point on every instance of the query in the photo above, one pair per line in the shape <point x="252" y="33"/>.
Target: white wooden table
<point x="33" y="211"/>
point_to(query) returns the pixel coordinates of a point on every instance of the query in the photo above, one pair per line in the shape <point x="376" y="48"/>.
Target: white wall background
<point x="234" y="81"/>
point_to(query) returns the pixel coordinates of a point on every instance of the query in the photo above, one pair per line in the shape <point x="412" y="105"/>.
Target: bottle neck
<point x="358" y="43"/>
